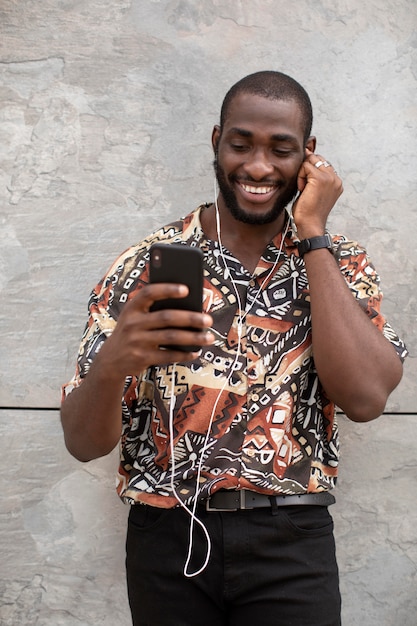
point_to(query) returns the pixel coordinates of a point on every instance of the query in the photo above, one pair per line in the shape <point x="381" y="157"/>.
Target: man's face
<point x="258" y="153"/>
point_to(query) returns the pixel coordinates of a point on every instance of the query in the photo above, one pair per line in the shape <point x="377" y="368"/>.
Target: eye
<point x="283" y="152"/>
<point x="238" y="147"/>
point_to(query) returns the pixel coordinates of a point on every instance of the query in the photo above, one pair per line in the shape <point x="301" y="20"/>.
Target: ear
<point x="215" y="137"/>
<point x="311" y="143"/>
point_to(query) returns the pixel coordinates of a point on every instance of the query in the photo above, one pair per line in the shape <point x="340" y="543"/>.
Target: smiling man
<point x="228" y="455"/>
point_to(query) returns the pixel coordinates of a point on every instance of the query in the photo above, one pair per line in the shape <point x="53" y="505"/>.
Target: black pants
<point x="264" y="569"/>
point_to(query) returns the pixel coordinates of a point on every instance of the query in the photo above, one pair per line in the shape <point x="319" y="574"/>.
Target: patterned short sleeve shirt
<point x="250" y="411"/>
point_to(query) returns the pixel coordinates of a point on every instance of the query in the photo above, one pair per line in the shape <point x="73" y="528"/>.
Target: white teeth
<point x="258" y="190"/>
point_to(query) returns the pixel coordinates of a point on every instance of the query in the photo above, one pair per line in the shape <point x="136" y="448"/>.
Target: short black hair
<point x="275" y="86"/>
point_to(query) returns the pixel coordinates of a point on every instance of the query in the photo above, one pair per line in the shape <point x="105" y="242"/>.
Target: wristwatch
<point x="314" y="243"/>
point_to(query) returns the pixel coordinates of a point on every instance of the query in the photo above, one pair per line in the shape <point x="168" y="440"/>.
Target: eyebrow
<point x="281" y="137"/>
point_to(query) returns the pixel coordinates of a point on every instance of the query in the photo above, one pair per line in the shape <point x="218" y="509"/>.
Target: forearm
<point x="357" y="366"/>
<point x="91" y="415"/>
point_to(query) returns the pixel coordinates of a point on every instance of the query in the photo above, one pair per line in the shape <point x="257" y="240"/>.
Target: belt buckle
<point x="242" y="504"/>
<point x="242" y="498"/>
<point x="215" y="508"/>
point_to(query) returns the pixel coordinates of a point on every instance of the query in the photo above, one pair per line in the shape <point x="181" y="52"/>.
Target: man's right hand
<point x="136" y="341"/>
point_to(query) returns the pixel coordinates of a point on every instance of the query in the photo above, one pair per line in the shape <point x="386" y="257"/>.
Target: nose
<point x="258" y="165"/>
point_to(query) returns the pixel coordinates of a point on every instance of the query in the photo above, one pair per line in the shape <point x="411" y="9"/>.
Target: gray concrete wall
<point x="106" y="110"/>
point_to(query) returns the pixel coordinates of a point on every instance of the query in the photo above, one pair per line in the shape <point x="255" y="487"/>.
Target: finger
<point x="167" y="357"/>
<point x="139" y="349"/>
<point x="180" y="337"/>
<point x="151" y="293"/>
<point x="321" y="163"/>
<point x="167" y="349"/>
<point x="176" y="318"/>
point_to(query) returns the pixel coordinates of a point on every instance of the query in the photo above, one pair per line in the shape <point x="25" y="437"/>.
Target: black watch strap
<point x="314" y="243"/>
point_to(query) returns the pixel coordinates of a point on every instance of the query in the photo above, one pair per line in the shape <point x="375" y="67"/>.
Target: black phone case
<point x="176" y="263"/>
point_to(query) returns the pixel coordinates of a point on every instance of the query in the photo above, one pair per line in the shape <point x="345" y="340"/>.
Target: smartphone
<point x="176" y="263"/>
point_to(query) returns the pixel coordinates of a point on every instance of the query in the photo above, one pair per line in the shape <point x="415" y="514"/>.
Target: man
<point x="229" y="454"/>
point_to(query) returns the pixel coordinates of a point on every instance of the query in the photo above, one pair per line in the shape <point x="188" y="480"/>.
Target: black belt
<point x="232" y="500"/>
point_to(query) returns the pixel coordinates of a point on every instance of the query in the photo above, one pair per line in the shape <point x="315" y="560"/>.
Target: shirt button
<point x="255" y="397"/>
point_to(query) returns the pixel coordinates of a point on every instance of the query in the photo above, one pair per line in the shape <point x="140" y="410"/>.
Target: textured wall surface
<point x="106" y="111"/>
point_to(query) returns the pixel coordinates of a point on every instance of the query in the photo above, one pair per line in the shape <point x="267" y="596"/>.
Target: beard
<point x="240" y="214"/>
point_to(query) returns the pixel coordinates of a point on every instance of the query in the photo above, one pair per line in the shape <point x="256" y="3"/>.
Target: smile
<point x="266" y="189"/>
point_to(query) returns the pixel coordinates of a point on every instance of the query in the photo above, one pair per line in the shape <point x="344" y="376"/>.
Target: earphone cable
<point x="241" y="317"/>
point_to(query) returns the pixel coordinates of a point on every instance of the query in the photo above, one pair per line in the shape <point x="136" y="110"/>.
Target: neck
<point x="246" y="242"/>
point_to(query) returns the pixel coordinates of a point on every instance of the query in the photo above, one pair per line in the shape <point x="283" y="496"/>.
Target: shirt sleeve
<point x="100" y="325"/>
<point x="126" y="276"/>
<point x="364" y="282"/>
<point x="121" y="283"/>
